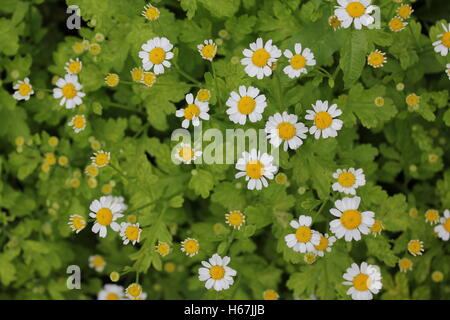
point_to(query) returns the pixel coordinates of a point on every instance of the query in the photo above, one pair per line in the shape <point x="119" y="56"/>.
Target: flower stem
<point x="184" y="74"/>
<point x="216" y="83"/>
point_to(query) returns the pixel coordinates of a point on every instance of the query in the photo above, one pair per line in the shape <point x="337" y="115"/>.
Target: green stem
<point x="116" y="105"/>
<point x="140" y="208"/>
<point x="119" y="171"/>
<point x="279" y="90"/>
<point x="321" y="207"/>
<point x="184" y="74"/>
<point x="216" y="83"/>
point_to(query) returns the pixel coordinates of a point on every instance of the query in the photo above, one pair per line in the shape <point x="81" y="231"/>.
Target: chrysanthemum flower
<point x="376" y="59"/>
<point x="324" y="123"/>
<point x="69" y="90"/>
<point x="365" y="281"/>
<point x="24" y="90"/>
<point x="190" y="247"/>
<point x="348" y="180"/>
<point x="112" y="79"/>
<point x="78" y="123"/>
<point x="437" y="276"/>
<point x="334" y="22"/>
<point x="163" y="248"/>
<point x="443" y="229"/>
<point x="351" y="222"/>
<point x="73" y="66"/>
<point x="194" y="111"/>
<point x="186" y="154"/>
<point x="49" y="158"/>
<point x="216" y="273"/>
<point x="259" y="58"/>
<point x="207" y="50"/>
<point x="247" y="103"/>
<point x="256" y="168"/>
<point x="150" y="12"/>
<point x="105" y="212"/>
<point x="156" y="54"/>
<point x="91" y="170"/>
<point x="397" y="24"/>
<point x="203" y="95"/>
<point x="285" y="128"/>
<point x="377" y="227"/>
<point x="405" y="265"/>
<point x="137" y="74"/>
<point x="415" y="247"/>
<point x="130" y="232"/>
<point x="298" y="61"/>
<point x="442" y="46"/>
<point x="304" y="239"/>
<point x="270" y="294"/>
<point x="63" y="161"/>
<point x="95" y="48"/>
<point x="111" y="292"/>
<point x="77" y="223"/>
<point x="235" y="219"/>
<point x="354" y="11"/>
<point x="101" y="158"/>
<point x="405" y="11"/>
<point x="432" y="216"/>
<point x="97" y="262"/>
<point x="148" y="79"/>
<point x="134" y="291"/>
<point x="412" y="100"/>
<point x="325" y="244"/>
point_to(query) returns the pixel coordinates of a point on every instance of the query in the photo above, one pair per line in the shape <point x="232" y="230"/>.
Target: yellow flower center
<point x="235" y="218"/>
<point x="203" y="95"/>
<point x="78" y="223"/>
<point x="79" y="122"/>
<point x="334" y="22"/>
<point x="95" y="48"/>
<point x="396" y="24"/>
<point x="355" y="9"/>
<point x="405" y="264"/>
<point x="137" y="74"/>
<point x="246" y="105"/>
<point x="152" y="13"/>
<point x="101" y="159"/>
<point x="186" y="153"/>
<point x="191" y="246"/>
<point x="74" y="66"/>
<point x="447" y="225"/>
<point x="191" y="111"/>
<point x="351" y="219"/>
<point x="437" y="276"/>
<point x="157" y="55"/>
<point x="286" y="130"/>
<point x="376" y="59"/>
<point x="254" y="169"/>
<point x="432" y="215"/>
<point x="323" y="120"/>
<point x="112" y="296"/>
<point x="209" y="51"/>
<point x="69" y="91"/>
<point x="63" y="160"/>
<point x="148" y="78"/>
<point x="346" y="179"/>
<point x="217" y="272"/>
<point x="298" y="61"/>
<point x="112" y="80"/>
<point x="134" y="290"/>
<point x="92" y="170"/>
<point x="379" y="101"/>
<point x="50" y="158"/>
<point x="24" y="89"/>
<point x="404" y="11"/>
<point x="303" y="234"/>
<point x="413" y="99"/>
<point x="323" y="244"/>
<point x="414" y="246"/>
<point x="163" y="249"/>
<point x="377" y="227"/>
<point x="260" y="57"/>
<point x="361" y="282"/>
<point x="132" y="233"/>
<point x="270" y="295"/>
<point x="98" y="261"/>
<point x="104" y="216"/>
<point x="446" y="39"/>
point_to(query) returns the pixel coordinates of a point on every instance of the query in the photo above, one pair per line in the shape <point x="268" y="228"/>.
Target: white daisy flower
<point x="325" y="244"/>
<point x="324" y="123"/>
<point x="207" y="50"/>
<point x="216" y="273"/>
<point x="256" y="167"/>
<point x="304" y="239"/>
<point x="186" y="154"/>
<point x="443" y="229"/>
<point x="130" y="232"/>
<point x="298" y="61"/>
<point x="348" y="180"/>
<point x="285" y="128"/>
<point x="69" y="90"/>
<point x="194" y="111"/>
<point x="365" y="281"/>
<point x="247" y="103"/>
<point x="156" y="54"/>
<point x="354" y="11"/>
<point x="78" y="123"/>
<point x="447" y="70"/>
<point x="105" y="211"/>
<point x="442" y="46"/>
<point x="97" y="262"/>
<point x="259" y="58"/>
<point x="111" y="292"/>
<point x="77" y="223"/>
<point x="351" y="222"/>
<point x="73" y="66"/>
<point x="24" y="90"/>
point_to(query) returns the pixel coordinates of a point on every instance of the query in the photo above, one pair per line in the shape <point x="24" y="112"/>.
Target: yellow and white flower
<point x="325" y="244"/>
<point x="405" y="11"/>
<point x="348" y="180"/>
<point x="442" y="46"/>
<point x="325" y="124"/>
<point x="415" y="247"/>
<point x="150" y="12"/>
<point x="97" y="262"/>
<point x="354" y="11"/>
<point x="105" y="212"/>
<point x="235" y="219"/>
<point x="156" y="54"/>
<point x="256" y="168"/>
<point x="351" y="222"/>
<point x="207" y="50"/>
<point x="78" y="123"/>
<point x="24" y="90"/>
<point x="397" y="24"/>
<point x="101" y="158"/>
<point x="68" y="88"/>
<point x="304" y="239"/>
<point x="194" y="111"/>
<point x="285" y="128"/>
<point x="365" y="281"/>
<point x="432" y="216"/>
<point x="443" y="229"/>
<point x="73" y="66"/>
<point x="260" y="58"/>
<point x="134" y="292"/>
<point x="130" y="232"/>
<point x="77" y="223"/>
<point x="376" y="59"/>
<point x="163" y="248"/>
<point x="298" y="61"/>
<point x="186" y="154"/>
<point x="247" y="103"/>
<point x="216" y="273"/>
<point x="111" y="292"/>
<point x="190" y="246"/>
<point x="405" y="265"/>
